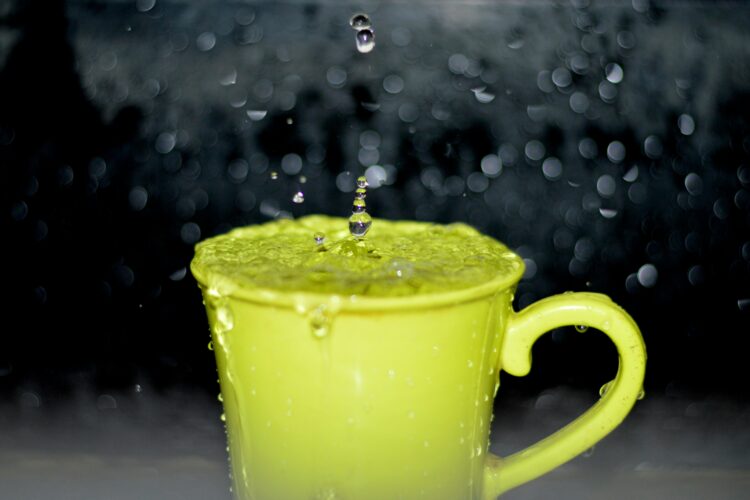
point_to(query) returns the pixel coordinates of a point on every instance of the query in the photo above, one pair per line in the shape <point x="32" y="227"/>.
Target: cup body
<point x="381" y="402"/>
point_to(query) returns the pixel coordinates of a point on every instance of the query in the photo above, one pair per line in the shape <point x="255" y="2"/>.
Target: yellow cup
<point x="330" y="397"/>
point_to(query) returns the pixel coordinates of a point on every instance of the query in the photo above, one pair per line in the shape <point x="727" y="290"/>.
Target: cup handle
<point x="523" y="329"/>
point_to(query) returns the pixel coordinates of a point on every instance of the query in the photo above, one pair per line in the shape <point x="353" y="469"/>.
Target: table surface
<point x="171" y="446"/>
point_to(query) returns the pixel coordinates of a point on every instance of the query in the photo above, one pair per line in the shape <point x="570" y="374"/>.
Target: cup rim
<point x="305" y="300"/>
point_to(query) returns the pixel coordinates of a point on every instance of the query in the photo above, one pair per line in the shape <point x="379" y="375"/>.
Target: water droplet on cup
<point x="603" y="389"/>
<point x="210" y="345"/>
<point x="320" y="321"/>
<point x="582" y="328"/>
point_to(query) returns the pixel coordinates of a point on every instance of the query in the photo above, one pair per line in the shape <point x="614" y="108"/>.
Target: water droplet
<point x="647" y="275"/>
<point x="210" y="345"/>
<point x="608" y="213"/>
<point x="603" y="389"/>
<point x="360" y="22"/>
<point x="482" y="96"/>
<point x="224" y="319"/>
<point x="359" y="224"/>
<point x="641" y="394"/>
<point x="274" y="175"/>
<point x="614" y="73"/>
<point x="319" y="238"/>
<point x="220" y="397"/>
<point x="299" y="197"/>
<point x="588" y="453"/>
<point x="686" y="124"/>
<point x="256" y="114"/>
<point x="582" y="328"/>
<point x="365" y="41"/>
<point x="223" y="417"/>
<point x="320" y="321"/>
<point x="362" y="182"/>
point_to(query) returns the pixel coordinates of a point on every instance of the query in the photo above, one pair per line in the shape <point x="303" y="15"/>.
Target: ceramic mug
<point x="391" y="398"/>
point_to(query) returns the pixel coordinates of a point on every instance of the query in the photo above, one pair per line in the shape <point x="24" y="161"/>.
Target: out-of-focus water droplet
<point x="608" y="213"/>
<point x="274" y="175"/>
<point x="482" y="96"/>
<point x="223" y="417"/>
<point x="145" y="5"/>
<point x="614" y="73"/>
<point x="694" y="184"/>
<point x="320" y="238"/>
<point x="582" y="328"/>
<point x="686" y="124"/>
<point x="299" y="197"/>
<point x="205" y="41"/>
<point x="220" y="397"/>
<point x="652" y="147"/>
<point x="365" y="41"/>
<point x="631" y="175"/>
<point x="370" y="106"/>
<point x="647" y="275"/>
<point x="210" y="345"/>
<point x="743" y="304"/>
<point x="256" y="114"/>
<point x="360" y="22"/>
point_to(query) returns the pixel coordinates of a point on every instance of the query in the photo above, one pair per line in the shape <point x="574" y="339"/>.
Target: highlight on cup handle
<point x="523" y="329"/>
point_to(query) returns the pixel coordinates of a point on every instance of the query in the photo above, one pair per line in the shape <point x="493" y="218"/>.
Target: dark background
<point x="131" y="130"/>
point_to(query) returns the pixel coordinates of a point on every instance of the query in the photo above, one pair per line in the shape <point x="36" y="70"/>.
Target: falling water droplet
<point x="274" y="175"/>
<point x="320" y="238"/>
<point x="365" y="41"/>
<point x="582" y="328"/>
<point x="360" y="221"/>
<point x="360" y="22"/>
<point x="299" y="197"/>
<point x="359" y="224"/>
